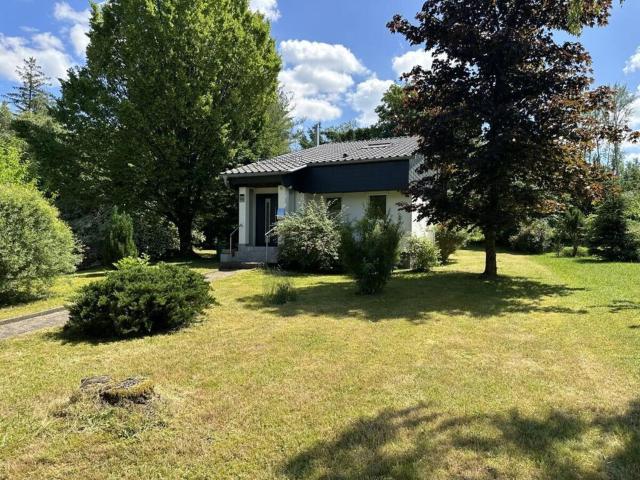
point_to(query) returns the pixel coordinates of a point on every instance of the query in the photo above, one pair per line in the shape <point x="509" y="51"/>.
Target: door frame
<point x="268" y="218"/>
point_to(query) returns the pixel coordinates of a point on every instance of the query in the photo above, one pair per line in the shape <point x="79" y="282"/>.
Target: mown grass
<point x="65" y="286"/>
<point x="443" y="376"/>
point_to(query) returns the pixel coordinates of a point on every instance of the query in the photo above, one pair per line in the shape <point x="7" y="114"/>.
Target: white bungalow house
<point x="349" y="175"/>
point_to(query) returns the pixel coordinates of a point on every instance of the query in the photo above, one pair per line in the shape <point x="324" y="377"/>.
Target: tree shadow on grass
<point x="416" y="297"/>
<point x="420" y="442"/>
<point x="618" y="306"/>
<point x="66" y="337"/>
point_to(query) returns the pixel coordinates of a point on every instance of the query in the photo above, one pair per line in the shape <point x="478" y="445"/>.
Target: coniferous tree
<point x="118" y="239"/>
<point x="31" y="95"/>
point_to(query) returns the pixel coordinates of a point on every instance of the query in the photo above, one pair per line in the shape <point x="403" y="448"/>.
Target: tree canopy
<point x="501" y="112"/>
<point x="172" y="94"/>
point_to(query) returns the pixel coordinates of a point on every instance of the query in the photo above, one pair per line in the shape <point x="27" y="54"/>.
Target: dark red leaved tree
<point x="501" y="114"/>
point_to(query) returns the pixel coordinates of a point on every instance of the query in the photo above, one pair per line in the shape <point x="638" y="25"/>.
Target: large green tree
<point x="500" y="113"/>
<point x="172" y="94"/>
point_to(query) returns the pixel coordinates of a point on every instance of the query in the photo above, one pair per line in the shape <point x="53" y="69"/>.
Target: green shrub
<point x="118" y="239"/>
<point x="279" y="290"/>
<point x="13" y="168"/>
<point x="423" y="254"/>
<point x="154" y="235"/>
<point x="571" y="228"/>
<point x="310" y="239"/>
<point x="139" y="300"/>
<point x="35" y="245"/>
<point x="613" y="232"/>
<point x="132" y="262"/>
<point x="569" y="252"/>
<point x="535" y="237"/>
<point x="449" y="240"/>
<point x="370" y="249"/>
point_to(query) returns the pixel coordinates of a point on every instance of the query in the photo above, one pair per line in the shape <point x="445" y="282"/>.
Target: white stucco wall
<point x="354" y="205"/>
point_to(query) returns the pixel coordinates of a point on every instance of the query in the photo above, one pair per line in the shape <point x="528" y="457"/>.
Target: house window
<point x="335" y="205"/>
<point x="378" y="205"/>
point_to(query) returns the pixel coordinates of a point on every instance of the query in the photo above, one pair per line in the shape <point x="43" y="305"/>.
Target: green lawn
<point x="65" y="286"/>
<point x="444" y="376"/>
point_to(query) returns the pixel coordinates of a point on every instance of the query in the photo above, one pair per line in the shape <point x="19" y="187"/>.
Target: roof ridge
<point x="333" y="152"/>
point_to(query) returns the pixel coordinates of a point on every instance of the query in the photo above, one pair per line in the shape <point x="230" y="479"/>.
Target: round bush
<point x="423" y="254"/>
<point x="310" y="239"/>
<point x="35" y="245"/>
<point x="139" y="300"/>
<point x="536" y="237"/>
<point x="449" y="240"/>
<point x="155" y="236"/>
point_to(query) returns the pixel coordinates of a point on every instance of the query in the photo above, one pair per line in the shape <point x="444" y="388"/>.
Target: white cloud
<point x="316" y="109"/>
<point x="318" y="76"/>
<point x="324" y="55"/>
<point x="633" y="64"/>
<point x="366" y="98"/>
<point x="405" y="63"/>
<point x="64" y="12"/>
<point x="78" y="34"/>
<point x="309" y="80"/>
<point x="46" y="41"/>
<point x="269" y="8"/>
<point x="79" y="20"/>
<point x="46" y="48"/>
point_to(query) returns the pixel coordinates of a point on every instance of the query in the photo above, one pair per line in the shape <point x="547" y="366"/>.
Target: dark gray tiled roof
<point x="360" y="151"/>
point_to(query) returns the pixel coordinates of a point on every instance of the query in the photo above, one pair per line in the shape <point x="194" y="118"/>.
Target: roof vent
<point x="376" y="145"/>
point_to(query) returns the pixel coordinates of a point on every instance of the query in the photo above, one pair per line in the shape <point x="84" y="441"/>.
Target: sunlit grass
<point x="444" y="376"/>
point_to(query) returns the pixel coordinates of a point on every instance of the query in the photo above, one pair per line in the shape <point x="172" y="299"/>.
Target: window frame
<point x="381" y="210"/>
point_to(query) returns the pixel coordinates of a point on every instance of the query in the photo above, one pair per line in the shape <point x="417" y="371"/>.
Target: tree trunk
<point x="491" y="262"/>
<point x="575" y="249"/>
<point x="185" y="227"/>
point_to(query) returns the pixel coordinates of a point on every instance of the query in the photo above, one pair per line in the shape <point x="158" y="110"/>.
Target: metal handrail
<point x="267" y="236"/>
<point x="231" y="240"/>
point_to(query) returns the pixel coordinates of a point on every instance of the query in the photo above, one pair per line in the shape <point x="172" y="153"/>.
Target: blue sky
<point x="338" y="55"/>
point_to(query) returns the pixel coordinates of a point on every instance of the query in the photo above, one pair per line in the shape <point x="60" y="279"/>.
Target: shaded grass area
<point x="65" y="286"/>
<point x="443" y="376"/>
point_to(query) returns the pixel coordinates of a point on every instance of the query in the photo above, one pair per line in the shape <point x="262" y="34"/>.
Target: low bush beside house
<point x="310" y="239"/>
<point x="423" y="254"/>
<point x="138" y="299"/>
<point x="449" y="240"/>
<point x="35" y="245"/>
<point x="371" y="250"/>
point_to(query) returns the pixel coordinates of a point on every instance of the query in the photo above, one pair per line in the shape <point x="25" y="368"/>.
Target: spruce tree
<point x="118" y="240"/>
<point x="31" y="95"/>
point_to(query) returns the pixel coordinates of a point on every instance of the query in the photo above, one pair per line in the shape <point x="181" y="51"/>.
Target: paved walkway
<point x="18" y="326"/>
<point x="58" y="317"/>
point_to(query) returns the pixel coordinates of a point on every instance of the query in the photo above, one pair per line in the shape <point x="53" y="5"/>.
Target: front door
<point x="266" y="210"/>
